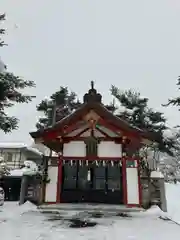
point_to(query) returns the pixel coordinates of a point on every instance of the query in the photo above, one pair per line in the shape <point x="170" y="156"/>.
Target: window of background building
<point x="9" y="157"/>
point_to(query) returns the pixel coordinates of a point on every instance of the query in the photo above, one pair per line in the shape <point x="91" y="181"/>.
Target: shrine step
<point x="89" y="207"/>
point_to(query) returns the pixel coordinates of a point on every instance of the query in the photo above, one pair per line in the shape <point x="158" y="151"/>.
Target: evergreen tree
<point x="170" y="166"/>
<point x="2" y="30"/>
<point x="135" y="110"/>
<point x="11" y="87"/>
<point x="174" y="101"/>
<point x="60" y="104"/>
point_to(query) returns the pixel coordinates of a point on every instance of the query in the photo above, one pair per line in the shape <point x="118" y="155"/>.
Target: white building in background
<point x="15" y="154"/>
<point x="43" y="149"/>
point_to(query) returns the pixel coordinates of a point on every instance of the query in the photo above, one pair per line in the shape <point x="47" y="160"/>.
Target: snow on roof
<point x="21" y="172"/>
<point x="16" y="145"/>
<point x="29" y="169"/>
<point x="156" y="174"/>
<point x="12" y="145"/>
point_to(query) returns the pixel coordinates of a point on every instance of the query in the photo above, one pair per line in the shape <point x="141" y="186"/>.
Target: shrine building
<point x="98" y="160"/>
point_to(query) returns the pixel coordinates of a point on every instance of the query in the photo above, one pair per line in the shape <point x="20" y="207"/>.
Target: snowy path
<point x="26" y="223"/>
<point x="173" y="201"/>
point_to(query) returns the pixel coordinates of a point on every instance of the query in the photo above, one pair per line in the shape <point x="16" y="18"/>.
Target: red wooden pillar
<point x="124" y="157"/>
<point x="59" y="179"/>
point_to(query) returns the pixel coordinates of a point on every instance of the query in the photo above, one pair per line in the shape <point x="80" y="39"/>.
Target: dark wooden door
<point x="69" y="182"/>
<point x="114" y="184"/>
<point x="92" y="183"/>
<point x="99" y="186"/>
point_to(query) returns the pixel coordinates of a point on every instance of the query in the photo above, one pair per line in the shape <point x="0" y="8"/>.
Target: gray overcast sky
<point x="128" y="43"/>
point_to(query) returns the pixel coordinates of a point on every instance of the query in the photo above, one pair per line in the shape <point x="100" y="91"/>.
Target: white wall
<point x="18" y="157"/>
<point x="109" y="149"/>
<point x="51" y="187"/>
<point x="132" y="186"/>
<point x="74" y="149"/>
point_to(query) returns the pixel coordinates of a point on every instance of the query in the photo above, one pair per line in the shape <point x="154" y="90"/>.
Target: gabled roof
<point x="97" y="107"/>
<point x="84" y="109"/>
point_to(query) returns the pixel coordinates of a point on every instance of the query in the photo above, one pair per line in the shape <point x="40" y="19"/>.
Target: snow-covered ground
<point x="27" y="223"/>
<point x="173" y="201"/>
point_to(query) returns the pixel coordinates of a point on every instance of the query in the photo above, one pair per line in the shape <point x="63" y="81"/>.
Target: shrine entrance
<point x="86" y="181"/>
<point x="91" y="142"/>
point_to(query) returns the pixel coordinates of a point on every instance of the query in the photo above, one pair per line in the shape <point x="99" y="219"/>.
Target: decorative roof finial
<point x="92" y="84"/>
<point x="92" y="95"/>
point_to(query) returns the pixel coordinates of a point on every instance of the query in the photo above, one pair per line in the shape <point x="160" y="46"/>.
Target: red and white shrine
<point x="98" y="157"/>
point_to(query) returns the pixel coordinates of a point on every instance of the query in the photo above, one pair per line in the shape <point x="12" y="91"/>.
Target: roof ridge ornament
<point x="92" y="95"/>
<point x="92" y="84"/>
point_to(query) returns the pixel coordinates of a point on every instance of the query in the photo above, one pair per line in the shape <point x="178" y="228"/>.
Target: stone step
<point x="89" y="207"/>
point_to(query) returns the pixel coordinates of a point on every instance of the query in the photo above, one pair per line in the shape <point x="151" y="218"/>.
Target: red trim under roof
<point x="102" y="112"/>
